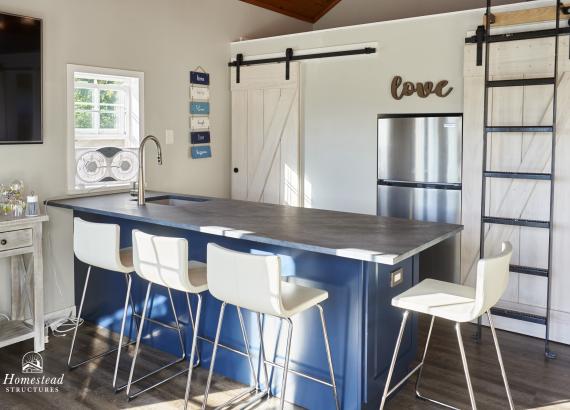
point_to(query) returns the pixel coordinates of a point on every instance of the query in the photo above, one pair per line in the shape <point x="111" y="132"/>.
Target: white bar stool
<point x="459" y="304"/>
<point x="164" y="261"/>
<point x="98" y="245"/>
<point x="253" y="282"/>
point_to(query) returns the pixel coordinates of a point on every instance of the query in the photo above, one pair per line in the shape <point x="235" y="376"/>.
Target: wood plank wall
<point x="530" y="105"/>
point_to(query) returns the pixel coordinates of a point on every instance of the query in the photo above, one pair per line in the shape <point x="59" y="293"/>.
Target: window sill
<point x="102" y="190"/>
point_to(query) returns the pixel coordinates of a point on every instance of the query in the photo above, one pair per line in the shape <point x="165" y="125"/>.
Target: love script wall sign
<point x="401" y="88"/>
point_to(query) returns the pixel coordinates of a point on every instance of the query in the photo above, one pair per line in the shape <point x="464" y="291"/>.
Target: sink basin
<point x="171" y="200"/>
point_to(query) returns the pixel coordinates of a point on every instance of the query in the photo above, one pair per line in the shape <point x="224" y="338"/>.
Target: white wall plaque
<point x="199" y="93"/>
<point x="199" y="123"/>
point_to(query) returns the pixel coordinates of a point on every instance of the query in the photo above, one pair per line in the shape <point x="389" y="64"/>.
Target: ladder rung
<point x="518" y="175"/>
<point x="516" y="222"/>
<point x="526" y="128"/>
<point x="529" y="270"/>
<point x="521" y="82"/>
<point x="513" y="314"/>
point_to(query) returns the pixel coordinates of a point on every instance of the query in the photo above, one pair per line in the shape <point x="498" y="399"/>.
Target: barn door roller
<point x="289" y="56"/>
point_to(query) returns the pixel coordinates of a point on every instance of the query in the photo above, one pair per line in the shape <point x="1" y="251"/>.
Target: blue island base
<point x="362" y="324"/>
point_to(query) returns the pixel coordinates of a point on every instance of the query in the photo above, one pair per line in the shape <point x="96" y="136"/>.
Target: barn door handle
<point x="236" y="170"/>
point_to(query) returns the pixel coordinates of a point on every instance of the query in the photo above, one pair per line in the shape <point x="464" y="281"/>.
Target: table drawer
<point x="15" y="239"/>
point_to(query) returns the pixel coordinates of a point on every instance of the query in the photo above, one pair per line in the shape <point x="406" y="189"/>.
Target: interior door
<point x="265" y="135"/>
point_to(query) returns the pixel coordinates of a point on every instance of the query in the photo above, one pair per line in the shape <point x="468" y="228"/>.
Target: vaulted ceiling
<point x="306" y="10"/>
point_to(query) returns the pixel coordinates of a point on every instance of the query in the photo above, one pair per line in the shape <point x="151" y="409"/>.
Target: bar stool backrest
<point x="162" y="260"/>
<point x="492" y="280"/>
<point x="245" y="280"/>
<point x="97" y="244"/>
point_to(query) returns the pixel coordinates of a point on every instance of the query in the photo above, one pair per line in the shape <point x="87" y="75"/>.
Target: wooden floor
<point x="535" y="382"/>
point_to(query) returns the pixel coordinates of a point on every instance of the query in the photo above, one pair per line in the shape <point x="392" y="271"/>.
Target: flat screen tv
<point x="20" y="80"/>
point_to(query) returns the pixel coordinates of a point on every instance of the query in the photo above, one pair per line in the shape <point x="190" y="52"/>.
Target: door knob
<point x="3" y="242"/>
<point x="236" y="170"/>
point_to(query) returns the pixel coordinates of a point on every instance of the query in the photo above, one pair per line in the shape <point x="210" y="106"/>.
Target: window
<point x="104" y="127"/>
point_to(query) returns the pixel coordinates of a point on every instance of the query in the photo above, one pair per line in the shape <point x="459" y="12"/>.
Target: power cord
<point x="62" y="327"/>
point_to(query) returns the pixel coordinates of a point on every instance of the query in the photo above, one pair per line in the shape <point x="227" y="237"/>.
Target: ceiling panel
<point x="306" y="10"/>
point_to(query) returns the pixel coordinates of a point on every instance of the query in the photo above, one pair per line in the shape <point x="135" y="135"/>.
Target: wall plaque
<point x="201" y="151"/>
<point x="401" y="88"/>
<point x="199" y="107"/>
<point x="200" y="137"/>
<point x="197" y="77"/>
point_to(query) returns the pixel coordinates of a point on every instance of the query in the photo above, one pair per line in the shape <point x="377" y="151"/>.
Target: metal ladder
<point x="550" y="129"/>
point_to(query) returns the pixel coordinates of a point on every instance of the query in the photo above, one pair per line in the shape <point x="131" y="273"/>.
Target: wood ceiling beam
<point x="536" y="15"/>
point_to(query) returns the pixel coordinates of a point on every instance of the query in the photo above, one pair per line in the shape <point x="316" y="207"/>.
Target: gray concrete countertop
<point x="363" y="237"/>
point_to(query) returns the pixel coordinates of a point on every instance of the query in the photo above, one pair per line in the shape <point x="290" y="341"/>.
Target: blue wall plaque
<point x="200" y="137"/>
<point x="197" y="77"/>
<point x="199" y="108"/>
<point x="202" y="151"/>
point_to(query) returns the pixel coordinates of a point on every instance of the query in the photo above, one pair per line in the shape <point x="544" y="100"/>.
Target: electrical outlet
<point x="169" y="137"/>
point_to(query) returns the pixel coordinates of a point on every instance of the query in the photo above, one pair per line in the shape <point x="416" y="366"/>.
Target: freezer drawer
<point x="441" y="261"/>
<point x="420" y="149"/>
<point x="425" y="204"/>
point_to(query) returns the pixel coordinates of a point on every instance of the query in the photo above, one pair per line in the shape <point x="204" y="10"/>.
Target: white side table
<point x="20" y="236"/>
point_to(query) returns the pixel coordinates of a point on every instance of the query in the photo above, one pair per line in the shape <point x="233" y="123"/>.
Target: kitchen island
<point x="361" y="260"/>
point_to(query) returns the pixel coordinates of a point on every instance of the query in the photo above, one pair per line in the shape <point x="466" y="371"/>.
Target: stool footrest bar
<point x="157" y="322"/>
<point x="179" y="360"/>
<point x="410" y="374"/>
<point x="132" y="396"/>
<point x="75" y="366"/>
<point x="236" y="398"/>
<point x="270" y="363"/>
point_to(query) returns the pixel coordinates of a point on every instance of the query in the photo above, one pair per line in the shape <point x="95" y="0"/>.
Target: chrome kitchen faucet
<point x="141" y="200"/>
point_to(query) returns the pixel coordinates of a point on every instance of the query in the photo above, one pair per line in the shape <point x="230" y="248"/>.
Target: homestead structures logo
<point x="32" y="362"/>
<point x="32" y="380"/>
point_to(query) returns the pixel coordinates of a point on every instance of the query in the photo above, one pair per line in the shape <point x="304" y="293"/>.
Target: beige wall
<point x="350" y="12"/>
<point x="163" y="38"/>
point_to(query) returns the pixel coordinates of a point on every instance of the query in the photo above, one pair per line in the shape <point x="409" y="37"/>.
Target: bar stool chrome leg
<point x="115" y="349"/>
<point x="180" y="338"/>
<point x="465" y="367"/>
<point x="329" y="357"/>
<point x="419" y="395"/>
<point x="123" y="322"/>
<point x="194" y="324"/>
<point x="78" y="318"/>
<point x="394" y="357"/>
<point x="194" y="347"/>
<point x="418" y="380"/>
<point x="263" y="359"/>
<point x="500" y="357"/>
<point x="139" y="337"/>
<point x="216" y="341"/>
<point x="246" y="341"/>
<point x="286" y="365"/>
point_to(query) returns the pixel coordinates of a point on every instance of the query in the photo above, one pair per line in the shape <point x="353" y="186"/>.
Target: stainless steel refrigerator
<point x="419" y="177"/>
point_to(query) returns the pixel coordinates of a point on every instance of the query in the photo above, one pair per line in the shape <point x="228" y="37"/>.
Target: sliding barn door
<point x="523" y="199"/>
<point x="265" y="135"/>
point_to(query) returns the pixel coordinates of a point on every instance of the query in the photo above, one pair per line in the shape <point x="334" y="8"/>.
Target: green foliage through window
<point x="99" y="108"/>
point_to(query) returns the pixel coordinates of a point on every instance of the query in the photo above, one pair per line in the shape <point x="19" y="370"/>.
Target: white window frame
<point x="102" y="133"/>
<point x="132" y="126"/>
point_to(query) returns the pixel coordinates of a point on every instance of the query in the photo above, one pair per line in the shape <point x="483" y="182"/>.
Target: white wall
<point x="341" y="97"/>
<point x="350" y="12"/>
<point x="165" y="39"/>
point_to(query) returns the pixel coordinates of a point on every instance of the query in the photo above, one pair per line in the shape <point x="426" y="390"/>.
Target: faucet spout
<point x="141" y="194"/>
